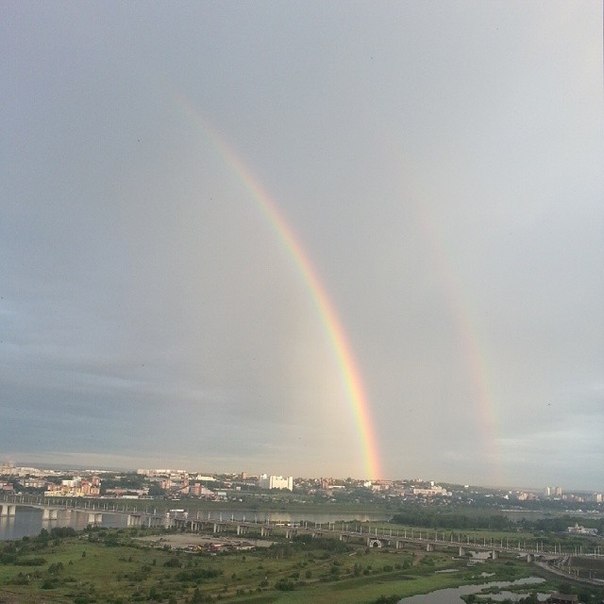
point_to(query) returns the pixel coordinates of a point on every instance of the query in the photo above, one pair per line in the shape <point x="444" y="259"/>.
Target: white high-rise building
<point x="276" y="482"/>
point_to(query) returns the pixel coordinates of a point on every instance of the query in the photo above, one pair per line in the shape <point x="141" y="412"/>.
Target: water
<point x="293" y="518"/>
<point x="28" y="522"/>
<point x="453" y="594"/>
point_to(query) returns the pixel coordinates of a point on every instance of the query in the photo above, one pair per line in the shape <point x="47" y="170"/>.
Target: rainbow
<point x="472" y="348"/>
<point x="350" y="374"/>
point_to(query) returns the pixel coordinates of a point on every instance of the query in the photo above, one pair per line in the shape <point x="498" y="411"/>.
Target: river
<point x="28" y="522"/>
<point x="452" y="595"/>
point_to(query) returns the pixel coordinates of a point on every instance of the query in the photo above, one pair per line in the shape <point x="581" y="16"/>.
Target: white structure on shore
<point x="276" y="482"/>
<point x="581" y="530"/>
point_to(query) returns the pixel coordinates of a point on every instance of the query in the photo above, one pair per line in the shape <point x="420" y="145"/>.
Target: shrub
<point x="387" y="599"/>
<point x="50" y="583"/>
<point x="56" y="568"/>
<point x="61" y="532"/>
<point x="19" y="579"/>
<point x="173" y="563"/>
<point x="36" y="561"/>
<point x="284" y="585"/>
<point x="198" y="574"/>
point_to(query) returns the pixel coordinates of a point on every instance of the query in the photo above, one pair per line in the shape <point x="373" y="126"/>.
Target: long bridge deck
<point x="223" y="522"/>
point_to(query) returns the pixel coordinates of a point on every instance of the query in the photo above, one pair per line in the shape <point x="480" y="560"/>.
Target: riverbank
<point x="119" y="565"/>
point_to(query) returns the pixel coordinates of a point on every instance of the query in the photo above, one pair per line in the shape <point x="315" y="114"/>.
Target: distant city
<point x="167" y="483"/>
<point x="245" y="534"/>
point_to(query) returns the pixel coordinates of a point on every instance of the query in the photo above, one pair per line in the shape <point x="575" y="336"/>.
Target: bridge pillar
<point x="216" y="528"/>
<point x="7" y="509"/>
<point x="95" y="518"/>
<point x="50" y="514"/>
<point x="265" y="531"/>
<point x="429" y="547"/>
<point x="399" y="544"/>
<point x="462" y="552"/>
<point x="133" y="519"/>
<point x="241" y="529"/>
<point x="494" y="555"/>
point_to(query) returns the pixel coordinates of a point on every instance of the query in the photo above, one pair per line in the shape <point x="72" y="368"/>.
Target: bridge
<point x="54" y="508"/>
<point x="225" y="522"/>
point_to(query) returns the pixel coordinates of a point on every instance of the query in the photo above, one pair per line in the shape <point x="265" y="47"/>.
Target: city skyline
<point x="345" y="240"/>
<point x="421" y="486"/>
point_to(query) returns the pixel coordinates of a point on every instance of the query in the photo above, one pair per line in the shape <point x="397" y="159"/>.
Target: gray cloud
<point x="440" y="165"/>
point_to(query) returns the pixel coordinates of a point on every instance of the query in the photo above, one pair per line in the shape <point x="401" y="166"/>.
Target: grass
<point x="113" y="566"/>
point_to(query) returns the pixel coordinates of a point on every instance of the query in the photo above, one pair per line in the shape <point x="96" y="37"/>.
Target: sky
<point x="357" y="239"/>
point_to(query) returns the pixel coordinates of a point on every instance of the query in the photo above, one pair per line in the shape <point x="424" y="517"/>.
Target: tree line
<point x="421" y="517"/>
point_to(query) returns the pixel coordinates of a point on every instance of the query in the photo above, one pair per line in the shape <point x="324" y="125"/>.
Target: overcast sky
<point x="440" y="163"/>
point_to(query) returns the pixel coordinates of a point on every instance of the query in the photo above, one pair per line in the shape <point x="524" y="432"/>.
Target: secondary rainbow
<point x="474" y="351"/>
<point x="474" y="354"/>
<point x="350" y="375"/>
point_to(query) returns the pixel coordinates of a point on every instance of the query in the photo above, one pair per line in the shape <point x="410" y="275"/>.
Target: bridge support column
<point x="429" y="547"/>
<point x="241" y="529"/>
<point x="462" y="552"/>
<point x="494" y="555"/>
<point x="133" y="519"/>
<point x="7" y="509"/>
<point x="399" y="544"/>
<point x="50" y="514"/>
<point x="265" y="531"/>
<point x="94" y="518"/>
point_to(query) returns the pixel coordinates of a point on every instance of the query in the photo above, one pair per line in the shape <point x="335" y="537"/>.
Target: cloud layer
<point x="441" y="166"/>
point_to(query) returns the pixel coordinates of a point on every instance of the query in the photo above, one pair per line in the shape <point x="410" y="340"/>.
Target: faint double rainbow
<point x="471" y="345"/>
<point x="350" y="374"/>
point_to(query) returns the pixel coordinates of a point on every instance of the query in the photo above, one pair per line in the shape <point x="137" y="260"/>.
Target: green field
<point x="141" y="565"/>
<point x="119" y="566"/>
